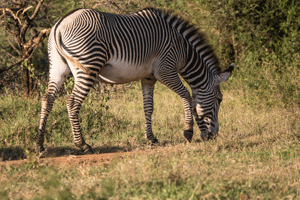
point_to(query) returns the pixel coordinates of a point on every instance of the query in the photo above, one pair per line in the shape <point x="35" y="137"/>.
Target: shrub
<point x="265" y="38"/>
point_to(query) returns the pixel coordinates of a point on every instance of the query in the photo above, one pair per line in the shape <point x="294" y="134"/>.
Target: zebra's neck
<point x="195" y="72"/>
<point x="201" y="63"/>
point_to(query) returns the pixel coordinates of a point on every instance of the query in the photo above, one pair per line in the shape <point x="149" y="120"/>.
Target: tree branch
<point x="44" y="33"/>
<point x="33" y="42"/>
<point x="2" y="49"/>
<point x="12" y="44"/>
<point x="37" y="8"/>
<point x="7" y="10"/>
<point x="25" y="10"/>
<point x="7" y="27"/>
<point x="12" y="66"/>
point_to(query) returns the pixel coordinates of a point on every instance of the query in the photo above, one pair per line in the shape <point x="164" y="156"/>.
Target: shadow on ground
<point x="18" y="153"/>
<point x="63" y="151"/>
<point x="12" y="153"/>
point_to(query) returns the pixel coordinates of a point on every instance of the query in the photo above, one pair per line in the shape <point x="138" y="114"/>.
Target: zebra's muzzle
<point x="209" y="135"/>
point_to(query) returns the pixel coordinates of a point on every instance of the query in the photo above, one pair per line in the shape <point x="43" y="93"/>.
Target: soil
<point x="75" y="160"/>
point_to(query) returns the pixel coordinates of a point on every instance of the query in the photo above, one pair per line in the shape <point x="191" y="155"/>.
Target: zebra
<point x="149" y="45"/>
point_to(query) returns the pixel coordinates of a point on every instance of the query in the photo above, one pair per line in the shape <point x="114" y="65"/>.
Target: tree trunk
<point x="27" y="80"/>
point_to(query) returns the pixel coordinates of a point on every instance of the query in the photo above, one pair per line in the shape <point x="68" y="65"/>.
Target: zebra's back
<point x="129" y="45"/>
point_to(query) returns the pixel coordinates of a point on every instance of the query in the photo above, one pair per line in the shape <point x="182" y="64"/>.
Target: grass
<point x="256" y="154"/>
<point x="116" y="120"/>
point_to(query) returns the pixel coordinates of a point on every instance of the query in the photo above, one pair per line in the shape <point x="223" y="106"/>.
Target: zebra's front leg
<point x="189" y="122"/>
<point x="172" y="80"/>
<point x="148" y="87"/>
<point x="80" y="91"/>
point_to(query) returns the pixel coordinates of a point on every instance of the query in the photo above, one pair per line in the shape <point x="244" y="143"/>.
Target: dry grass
<point x="255" y="156"/>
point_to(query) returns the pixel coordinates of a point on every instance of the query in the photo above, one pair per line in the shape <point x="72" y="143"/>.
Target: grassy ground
<point x="256" y="155"/>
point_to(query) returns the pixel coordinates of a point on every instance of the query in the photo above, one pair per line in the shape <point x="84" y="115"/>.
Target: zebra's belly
<point x="118" y="72"/>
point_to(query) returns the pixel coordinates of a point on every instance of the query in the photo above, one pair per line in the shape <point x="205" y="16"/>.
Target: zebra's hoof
<point x="87" y="149"/>
<point x="188" y="135"/>
<point x="154" y="142"/>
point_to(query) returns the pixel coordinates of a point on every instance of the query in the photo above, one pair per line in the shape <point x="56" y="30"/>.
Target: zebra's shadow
<point x="19" y="153"/>
<point x="12" y="153"/>
<point x="65" y="151"/>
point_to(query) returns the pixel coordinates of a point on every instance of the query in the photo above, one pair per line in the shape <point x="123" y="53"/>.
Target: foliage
<point x="249" y="25"/>
<point x="266" y="40"/>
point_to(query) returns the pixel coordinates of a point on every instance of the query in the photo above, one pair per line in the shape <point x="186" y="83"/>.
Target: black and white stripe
<point x="151" y="45"/>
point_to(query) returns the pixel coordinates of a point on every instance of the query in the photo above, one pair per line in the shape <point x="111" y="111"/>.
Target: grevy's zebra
<point x="149" y="45"/>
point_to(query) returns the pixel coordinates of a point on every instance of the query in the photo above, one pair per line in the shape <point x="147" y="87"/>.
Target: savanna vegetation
<point x="255" y="156"/>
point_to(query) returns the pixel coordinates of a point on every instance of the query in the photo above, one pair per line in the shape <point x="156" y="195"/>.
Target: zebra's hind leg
<point x="171" y="80"/>
<point x="47" y="104"/>
<point x="83" y="84"/>
<point x="57" y="75"/>
<point x="148" y="87"/>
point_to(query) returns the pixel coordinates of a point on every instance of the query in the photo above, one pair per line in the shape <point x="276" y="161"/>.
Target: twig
<point x="19" y="11"/>
<point x="8" y="28"/>
<point x="36" y="40"/>
<point x="39" y="39"/>
<point x="2" y="14"/>
<point x="2" y="49"/>
<point x="4" y="10"/>
<point x="11" y="75"/>
<point x="19" y="62"/>
<point x="42" y="33"/>
<point x="37" y="8"/>
<point x="12" y="66"/>
<point x="12" y="44"/>
<point x="116" y="5"/>
<point x="26" y="9"/>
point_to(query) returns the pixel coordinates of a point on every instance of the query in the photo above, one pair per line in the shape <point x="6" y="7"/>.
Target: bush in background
<point x="264" y="37"/>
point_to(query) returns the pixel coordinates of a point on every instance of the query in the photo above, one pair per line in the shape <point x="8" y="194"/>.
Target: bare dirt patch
<point x="75" y="160"/>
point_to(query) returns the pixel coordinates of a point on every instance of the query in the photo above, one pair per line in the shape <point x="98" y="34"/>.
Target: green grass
<point x="113" y="121"/>
<point x="186" y="172"/>
<point x="256" y="153"/>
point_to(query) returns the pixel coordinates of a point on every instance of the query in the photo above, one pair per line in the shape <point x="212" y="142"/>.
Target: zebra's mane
<point x="193" y="36"/>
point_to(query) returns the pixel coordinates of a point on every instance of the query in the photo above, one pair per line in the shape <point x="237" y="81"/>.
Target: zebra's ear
<point x="224" y="75"/>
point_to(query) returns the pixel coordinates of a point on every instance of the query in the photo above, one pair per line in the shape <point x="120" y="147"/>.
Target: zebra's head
<point x="206" y="104"/>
